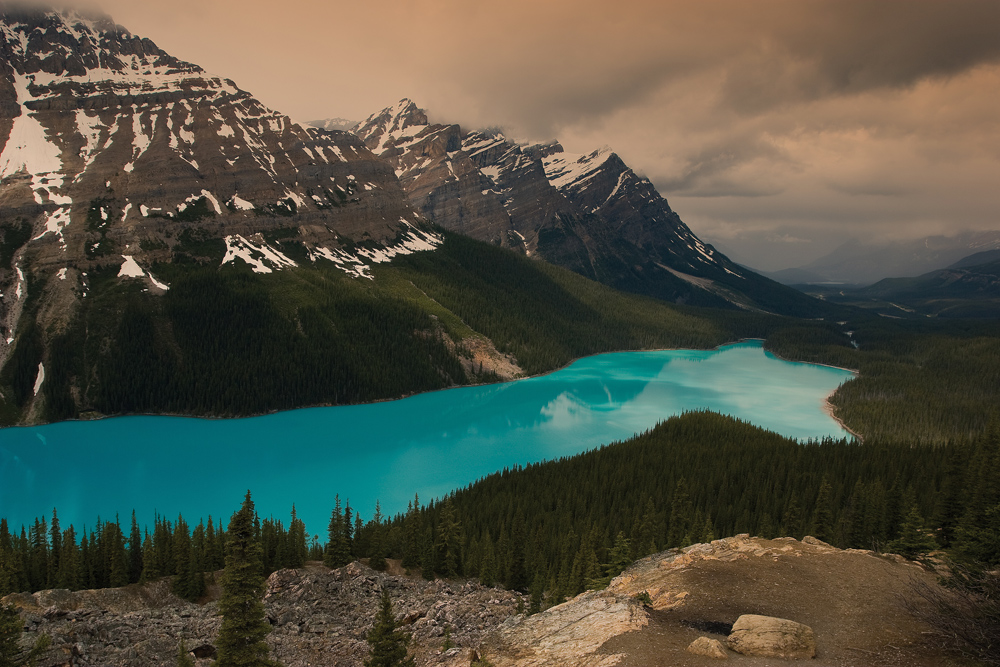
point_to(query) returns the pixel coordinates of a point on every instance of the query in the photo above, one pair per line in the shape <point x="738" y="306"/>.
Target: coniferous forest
<point x="229" y="342"/>
<point x="559" y="527"/>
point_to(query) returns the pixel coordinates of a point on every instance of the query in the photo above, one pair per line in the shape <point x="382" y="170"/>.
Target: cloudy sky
<point x="775" y="128"/>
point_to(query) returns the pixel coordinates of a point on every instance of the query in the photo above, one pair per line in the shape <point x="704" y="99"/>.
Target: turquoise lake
<point x="428" y="444"/>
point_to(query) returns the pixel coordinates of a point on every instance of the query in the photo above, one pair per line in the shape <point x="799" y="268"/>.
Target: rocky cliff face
<point x="650" y="614"/>
<point x="590" y="213"/>
<point x="113" y="151"/>
<point x="121" y="165"/>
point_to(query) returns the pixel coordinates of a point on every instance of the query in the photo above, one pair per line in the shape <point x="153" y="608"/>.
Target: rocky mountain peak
<point x="116" y="155"/>
<point x="73" y="43"/>
<point x="393" y="126"/>
<point x="587" y="212"/>
<point x="99" y="122"/>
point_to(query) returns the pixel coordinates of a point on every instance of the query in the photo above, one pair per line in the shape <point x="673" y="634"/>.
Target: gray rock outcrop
<point x="318" y="616"/>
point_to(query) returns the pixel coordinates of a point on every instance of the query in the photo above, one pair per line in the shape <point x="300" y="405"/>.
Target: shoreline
<point x="827" y="407"/>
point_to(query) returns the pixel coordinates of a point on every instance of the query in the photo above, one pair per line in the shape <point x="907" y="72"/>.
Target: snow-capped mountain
<point x="590" y="213"/>
<point x="113" y="151"/>
<point x="331" y="124"/>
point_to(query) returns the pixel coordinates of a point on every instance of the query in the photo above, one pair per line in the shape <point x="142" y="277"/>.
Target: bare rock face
<point x="535" y="199"/>
<point x="772" y="637"/>
<point x="115" y="156"/>
<point x="589" y="213"/>
<point x="570" y="633"/>
<point x="708" y="647"/>
<point x="438" y="174"/>
<point x="113" y="152"/>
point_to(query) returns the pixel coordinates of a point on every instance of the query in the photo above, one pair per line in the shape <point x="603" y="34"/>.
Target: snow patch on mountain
<point x="55" y="221"/>
<point x="357" y="264"/>
<point x="39" y="378"/>
<point x="261" y="257"/>
<point x="241" y="204"/>
<point x="131" y="269"/>
<point x="29" y="148"/>
<point x="566" y="170"/>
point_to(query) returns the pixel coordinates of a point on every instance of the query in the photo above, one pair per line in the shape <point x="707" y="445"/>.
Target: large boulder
<point x="772" y="637"/>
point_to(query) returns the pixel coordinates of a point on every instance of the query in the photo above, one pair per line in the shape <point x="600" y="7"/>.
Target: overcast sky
<point x="776" y="128"/>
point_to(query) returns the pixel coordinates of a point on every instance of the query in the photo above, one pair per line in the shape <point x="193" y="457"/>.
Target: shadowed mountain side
<point x="588" y="213"/>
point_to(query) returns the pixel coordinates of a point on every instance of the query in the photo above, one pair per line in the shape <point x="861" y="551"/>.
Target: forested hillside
<point x="226" y="341"/>
<point x="565" y="525"/>
<point x="312" y="336"/>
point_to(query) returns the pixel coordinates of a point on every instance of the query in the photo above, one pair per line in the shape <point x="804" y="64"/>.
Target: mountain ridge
<point x="590" y="213"/>
<point x="859" y="264"/>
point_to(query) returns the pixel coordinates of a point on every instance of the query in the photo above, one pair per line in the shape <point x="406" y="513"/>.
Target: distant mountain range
<point x="970" y="288"/>
<point x="590" y="213"/>
<point x="330" y="124"/>
<point x="856" y="263"/>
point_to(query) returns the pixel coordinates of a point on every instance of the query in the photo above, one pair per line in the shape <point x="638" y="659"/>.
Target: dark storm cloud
<point x="821" y="49"/>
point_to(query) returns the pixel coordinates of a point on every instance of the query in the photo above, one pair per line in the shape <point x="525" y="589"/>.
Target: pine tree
<point x="913" y="537"/>
<point x="55" y="550"/>
<point x="388" y="644"/>
<point x="449" y="541"/>
<point x="69" y="565"/>
<point x="184" y="658"/>
<point x="214" y="552"/>
<point x="116" y="558"/>
<point x="39" y="556"/>
<point x="412" y="530"/>
<point x="427" y="560"/>
<point x="338" y="550"/>
<point x="295" y="555"/>
<point x="11" y="627"/>
<point x="644" y="537"/>
<point x="376" y="545"/>
<point x="792" y="518"/>
<point x="241" y="636"/>
<point x="488" y="563"/>
<point x="822" y="518"/>
<point x="537" y="592"/>
<point x="134" y="552"/>
<point x="681" y="514"/>
<point x="189" y="582"/>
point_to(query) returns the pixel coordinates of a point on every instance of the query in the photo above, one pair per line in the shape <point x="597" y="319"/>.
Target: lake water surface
<point x="429" y="443"/>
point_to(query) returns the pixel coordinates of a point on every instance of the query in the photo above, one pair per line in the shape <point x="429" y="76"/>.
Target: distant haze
<point x="778" y="128"/>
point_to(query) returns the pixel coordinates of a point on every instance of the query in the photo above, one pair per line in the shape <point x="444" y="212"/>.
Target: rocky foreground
<point x="851" y="600"/>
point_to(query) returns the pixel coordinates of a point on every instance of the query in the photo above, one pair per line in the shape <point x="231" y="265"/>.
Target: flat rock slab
<point x="772" y="637"/>
<point x="708" y="647"/>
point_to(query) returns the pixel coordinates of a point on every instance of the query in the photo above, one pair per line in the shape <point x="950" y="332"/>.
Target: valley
<point x="502" y="382"/>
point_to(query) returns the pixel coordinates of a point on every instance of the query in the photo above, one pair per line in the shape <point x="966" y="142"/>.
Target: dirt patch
<point x="852" y="599"/>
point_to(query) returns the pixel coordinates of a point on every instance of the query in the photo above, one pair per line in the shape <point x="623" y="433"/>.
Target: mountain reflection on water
<point x="428" y="444"/>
